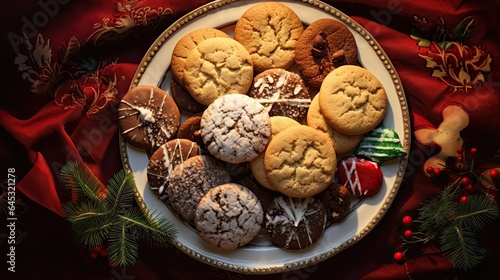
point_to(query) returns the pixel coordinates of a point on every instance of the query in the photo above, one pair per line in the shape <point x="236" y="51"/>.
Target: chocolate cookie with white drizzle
<point x="295" y="223"/>
<point x="164" y="160"/>
<point x="148" y="117"/>
<point x="283" y="93"/>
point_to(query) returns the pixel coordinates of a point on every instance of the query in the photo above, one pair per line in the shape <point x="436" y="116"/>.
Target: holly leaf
<point x="464" y="30"/>
<point x="421" y="42"/>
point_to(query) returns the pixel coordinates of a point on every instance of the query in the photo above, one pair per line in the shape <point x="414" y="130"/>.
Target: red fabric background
<point x="38" y="135"/>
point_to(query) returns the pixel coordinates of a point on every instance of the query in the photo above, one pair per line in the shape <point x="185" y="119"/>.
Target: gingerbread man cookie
<point x="446" y="136"/>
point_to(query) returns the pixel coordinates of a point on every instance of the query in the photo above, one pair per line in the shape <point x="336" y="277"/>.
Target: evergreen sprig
<point x="111" y="216"/>
<point x="455" y="224"/>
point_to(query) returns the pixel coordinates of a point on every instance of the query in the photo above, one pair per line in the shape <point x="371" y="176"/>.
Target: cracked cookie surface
<point x="300" y="161"/>
<point x="235" y="128"/>
<point x="352" y="100"/>
<point x="191" y="180"/>
<point x="185" y="45"/>
<point x="229" y="216"/>
<point x="342" y="143"/>
<point x="217" y="66"/>
<point x="269" y="31"/>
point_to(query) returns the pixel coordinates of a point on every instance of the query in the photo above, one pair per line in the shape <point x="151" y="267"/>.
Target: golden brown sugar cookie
<point x="342" y="143"/>
<point x="217" y="66"/>
<point x="300" y="161"/>
<point x="269" y="31"/>
<point x="185" y="45"/>
<point x="352" y="100"/>
<point x="278" y="124"/>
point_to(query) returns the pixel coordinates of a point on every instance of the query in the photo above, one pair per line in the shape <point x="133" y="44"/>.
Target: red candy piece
<point x="362" y="177"/>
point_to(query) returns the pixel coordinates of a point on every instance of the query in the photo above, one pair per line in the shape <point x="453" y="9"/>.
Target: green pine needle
<point x="154" y="229"/>
<point x="479" y="211"/>
<point x="123" y="246"/>
<point x="115" y="218"/>
<point x="81" y="181"/>
<point x="437" y="212"/>
<point x="461" y="247"/>
<point x="121" y="188"/>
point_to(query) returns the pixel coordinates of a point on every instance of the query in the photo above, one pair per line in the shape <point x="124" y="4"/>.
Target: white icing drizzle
<point x="351" y="170"/>
<point x="294" y="212"/>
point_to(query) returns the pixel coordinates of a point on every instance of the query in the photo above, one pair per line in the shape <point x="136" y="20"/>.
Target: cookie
<point x="295" y="223"/>
<point x="446" y="136"/>
<point x="235" y="128"/>
<point x="352" y="100"/>
<point x="164" y="160"/>
<point x="323" y="46"/>
<point x="380" y="145"/>
<point x="264" y="195"/>
<point x="190" y="129"/>
<point x="337" y="201"/>
<point x="269" y="31"/>
<point x="185" y="45"/>
<point x="278" y="124"/>
<point x="229" y="216"/>
<point x="300" y="161"/>
<point x="191" y="180"/>
<point x="342" y="143"/>
<point x="217" y="66"/>
<point x="148" y="117"/>
<point x="361" y="176"/>
<point x="282" y="92"/>
<point x="184" y="100"/>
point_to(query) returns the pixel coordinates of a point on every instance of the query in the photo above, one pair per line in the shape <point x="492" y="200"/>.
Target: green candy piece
<point x="380" y="145"/>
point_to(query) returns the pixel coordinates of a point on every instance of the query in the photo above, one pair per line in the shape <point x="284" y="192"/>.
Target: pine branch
<point x="154" y="229"/>
<point x="479" y="211"/>
<point x="437" y="212"/>
<point x="123" y="246"/>
<point x="461" y="247"/>
<point x="84" y="209"/>
<point x="121" y="188"/>
<point x="81" y="181"/>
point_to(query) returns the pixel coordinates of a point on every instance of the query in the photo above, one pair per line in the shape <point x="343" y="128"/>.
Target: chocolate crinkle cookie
<point x="191" y="180"/>
<point x="229" y="216"/>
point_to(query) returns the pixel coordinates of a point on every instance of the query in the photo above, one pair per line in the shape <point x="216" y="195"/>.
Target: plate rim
<point x="406" y="137"/>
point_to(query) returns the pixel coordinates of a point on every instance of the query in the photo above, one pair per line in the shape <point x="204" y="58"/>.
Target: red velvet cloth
<point x="63" y="80"/>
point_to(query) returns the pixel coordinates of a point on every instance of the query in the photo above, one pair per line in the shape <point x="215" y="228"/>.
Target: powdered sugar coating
<point x="235" y="128"/>
<point x="229" y="216"/>
<point x="191" y="180"/>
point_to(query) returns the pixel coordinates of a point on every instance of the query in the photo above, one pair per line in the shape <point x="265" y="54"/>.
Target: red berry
<point x="469" y="188"/>
<point x="408" y="234"/>
<point x="429" y="170"/>
<point x="460" y="158"/>
<point x="407" y="220"/>
<point x="460" y="150"/>
<point x="464" y="199"/>
<point x="494" y="173"/>
<point x="112" y="264"/>
<point x="465" y="181"/>
<point x="473" y="150"/>
<point x="398" y="256"/>
<point x="436" y="171"/>
<point x="93" y="254"/>
<point x="103" y="252"/>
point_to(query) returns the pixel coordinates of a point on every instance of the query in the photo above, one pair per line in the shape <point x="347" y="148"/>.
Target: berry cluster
<point x="466" y="182"/>
<point x="100" y="251"/>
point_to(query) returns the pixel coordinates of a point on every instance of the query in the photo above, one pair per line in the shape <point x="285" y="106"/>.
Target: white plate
<point x="262" y="257"/>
